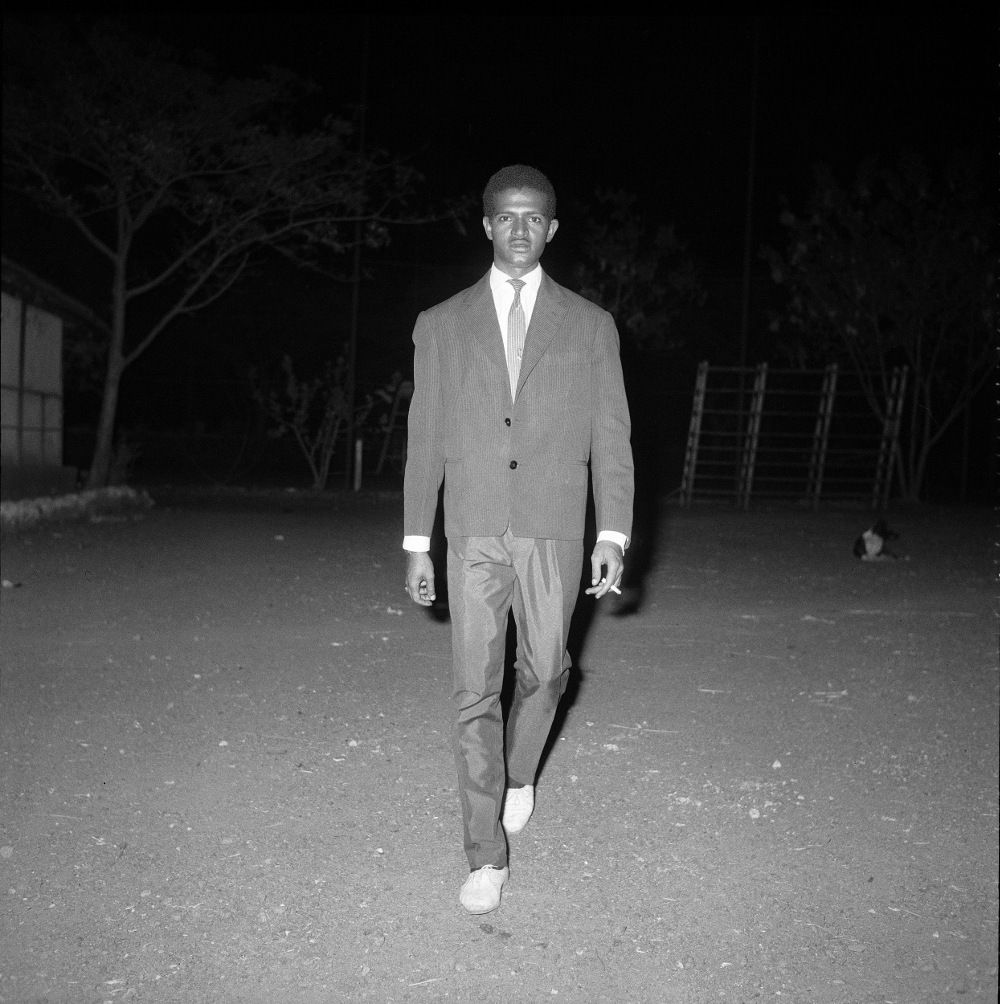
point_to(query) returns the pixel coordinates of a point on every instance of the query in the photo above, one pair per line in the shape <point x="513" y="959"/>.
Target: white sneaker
<point x="481" y="891"/>
<point x="518" y="804"/>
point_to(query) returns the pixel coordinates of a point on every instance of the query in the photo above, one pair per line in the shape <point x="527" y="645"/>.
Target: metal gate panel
<point x="803" y="435"/>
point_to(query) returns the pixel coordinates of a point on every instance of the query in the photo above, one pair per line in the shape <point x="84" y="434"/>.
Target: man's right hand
<point x="420" y="577"/>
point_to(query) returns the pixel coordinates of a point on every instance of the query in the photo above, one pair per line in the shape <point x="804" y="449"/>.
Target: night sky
<point x="658" y="106"/>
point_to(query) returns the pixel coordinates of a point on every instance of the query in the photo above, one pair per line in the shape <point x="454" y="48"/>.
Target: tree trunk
<point x="100" y="465"/>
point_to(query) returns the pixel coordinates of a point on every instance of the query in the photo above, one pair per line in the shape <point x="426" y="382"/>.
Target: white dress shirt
<point x="503" y="297"/>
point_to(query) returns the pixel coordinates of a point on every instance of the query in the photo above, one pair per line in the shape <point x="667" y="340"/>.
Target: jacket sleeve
<point x="425" y="444"/>
<point x="611" y="466"/>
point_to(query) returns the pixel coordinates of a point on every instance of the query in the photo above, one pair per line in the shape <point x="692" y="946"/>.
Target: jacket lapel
<point x="550" y="305"/>
<point x="479" y="319"/>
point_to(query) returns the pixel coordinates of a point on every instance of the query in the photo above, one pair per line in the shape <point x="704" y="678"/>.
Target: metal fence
<point x="793" y="434"/>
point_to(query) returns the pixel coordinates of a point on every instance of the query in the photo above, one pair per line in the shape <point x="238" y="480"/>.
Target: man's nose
<point x="520" y="227"/>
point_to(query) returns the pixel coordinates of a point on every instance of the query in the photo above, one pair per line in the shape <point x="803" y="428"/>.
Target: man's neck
<point x="512" y="271"/>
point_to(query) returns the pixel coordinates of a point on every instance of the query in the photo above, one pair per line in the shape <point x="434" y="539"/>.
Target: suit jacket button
<point x="513" y="465"/>
<point x="506" y="421"/>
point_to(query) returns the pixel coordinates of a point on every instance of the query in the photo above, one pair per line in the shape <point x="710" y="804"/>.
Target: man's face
<point x="519" y="229"/>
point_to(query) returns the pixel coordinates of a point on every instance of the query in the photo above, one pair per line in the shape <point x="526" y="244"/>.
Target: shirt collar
<point x="532" y="280"/>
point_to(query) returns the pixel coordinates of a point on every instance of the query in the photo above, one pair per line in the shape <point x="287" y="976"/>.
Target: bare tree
<point x="177" y="179"/>
<point x="895" y="270"/>
<point x="315" y="411"/>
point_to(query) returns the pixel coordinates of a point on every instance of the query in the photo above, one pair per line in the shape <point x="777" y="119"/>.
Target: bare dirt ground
<point x="226" y="772"/>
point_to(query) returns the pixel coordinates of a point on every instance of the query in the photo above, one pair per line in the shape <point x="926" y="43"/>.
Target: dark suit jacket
<point x="522" y="463"/>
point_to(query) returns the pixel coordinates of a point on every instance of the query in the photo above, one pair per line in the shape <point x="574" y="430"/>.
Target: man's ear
<point x="553" y="227"/>
<point x="488" y="227"/>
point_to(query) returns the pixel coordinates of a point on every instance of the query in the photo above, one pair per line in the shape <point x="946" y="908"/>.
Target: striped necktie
<point x="515" y="335"/>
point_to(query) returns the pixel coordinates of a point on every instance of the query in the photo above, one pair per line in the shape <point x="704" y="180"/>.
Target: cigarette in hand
<point x="615" y="589"/>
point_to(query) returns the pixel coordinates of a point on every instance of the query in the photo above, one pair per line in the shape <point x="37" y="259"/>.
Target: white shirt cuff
<point x="616" y="538"/>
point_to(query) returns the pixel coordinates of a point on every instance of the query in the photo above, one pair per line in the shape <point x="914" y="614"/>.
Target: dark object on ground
<point x="871" y="545"/>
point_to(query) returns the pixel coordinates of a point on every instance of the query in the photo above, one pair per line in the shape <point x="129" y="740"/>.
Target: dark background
<point x="659" y="106"/>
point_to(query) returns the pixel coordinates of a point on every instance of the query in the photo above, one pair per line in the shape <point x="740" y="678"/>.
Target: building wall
<point x="31" y="419"/>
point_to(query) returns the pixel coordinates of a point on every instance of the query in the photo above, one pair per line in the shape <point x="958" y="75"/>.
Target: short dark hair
<point x="518" y="176"/>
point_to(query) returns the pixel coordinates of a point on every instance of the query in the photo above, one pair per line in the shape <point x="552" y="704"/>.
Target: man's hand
<point x="607" y="556"/>
<point x="420" y="577"/>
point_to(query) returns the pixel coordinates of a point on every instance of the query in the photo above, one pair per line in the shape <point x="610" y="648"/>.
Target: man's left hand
<point x="607" y="564"/>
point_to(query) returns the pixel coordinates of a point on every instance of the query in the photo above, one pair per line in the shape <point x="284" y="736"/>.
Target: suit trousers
<point x="539" y="579"/>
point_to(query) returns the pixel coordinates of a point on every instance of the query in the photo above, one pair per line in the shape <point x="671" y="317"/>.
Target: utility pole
<point x="352" y="345"/>
<point x="748" y="219"/>
<point x="747" y="244"/>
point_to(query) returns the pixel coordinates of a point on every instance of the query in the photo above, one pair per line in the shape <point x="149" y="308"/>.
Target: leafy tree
<point x="177" y="180"/>
<point x="895" y="270"/>
<point x="642" y="275"/>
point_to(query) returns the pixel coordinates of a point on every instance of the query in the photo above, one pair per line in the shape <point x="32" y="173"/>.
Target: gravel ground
<point x="226" y="772"/>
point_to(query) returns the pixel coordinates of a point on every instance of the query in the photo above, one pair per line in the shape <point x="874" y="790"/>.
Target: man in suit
<point x="518" y="394"/>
